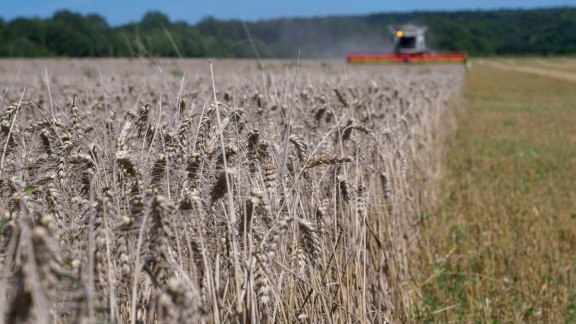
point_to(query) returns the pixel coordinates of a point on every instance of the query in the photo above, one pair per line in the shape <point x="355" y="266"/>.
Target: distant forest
<point x="479" y="33"/>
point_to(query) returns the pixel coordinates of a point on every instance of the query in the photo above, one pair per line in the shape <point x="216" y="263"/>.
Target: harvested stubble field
<point x="136" y="191"/>
<point x="504" y="237"/>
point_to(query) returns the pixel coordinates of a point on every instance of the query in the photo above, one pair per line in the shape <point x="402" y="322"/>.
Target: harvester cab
<point x="409" y="39"/>
<point x="409" y="47"/>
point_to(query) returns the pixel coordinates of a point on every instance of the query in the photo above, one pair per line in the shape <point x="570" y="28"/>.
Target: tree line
<point x="479" y="33"/>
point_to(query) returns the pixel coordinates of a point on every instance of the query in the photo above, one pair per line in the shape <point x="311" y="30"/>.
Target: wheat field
<point x="136" y="191"/>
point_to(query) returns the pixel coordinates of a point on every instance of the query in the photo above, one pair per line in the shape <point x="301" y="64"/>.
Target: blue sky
<point x="121" y="11"/>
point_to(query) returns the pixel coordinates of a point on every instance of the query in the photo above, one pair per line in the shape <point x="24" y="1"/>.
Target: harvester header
<point x="409" y="47"/>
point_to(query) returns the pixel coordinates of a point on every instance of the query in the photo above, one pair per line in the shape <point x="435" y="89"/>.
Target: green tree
<point x="498" y="32"/>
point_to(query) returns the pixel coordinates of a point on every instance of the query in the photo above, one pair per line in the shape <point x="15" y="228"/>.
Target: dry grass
<point x="504" y="240"/>
<point x="130" y="195"/>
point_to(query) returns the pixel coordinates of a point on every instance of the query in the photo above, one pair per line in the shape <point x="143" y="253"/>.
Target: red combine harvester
<point x="409" y="47"/>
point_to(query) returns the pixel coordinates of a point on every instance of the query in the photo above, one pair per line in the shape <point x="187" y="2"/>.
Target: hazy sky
<point x="122" y="11"/>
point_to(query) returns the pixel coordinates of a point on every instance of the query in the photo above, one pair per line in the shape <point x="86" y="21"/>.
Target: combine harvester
<point x="409" y="47"/>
